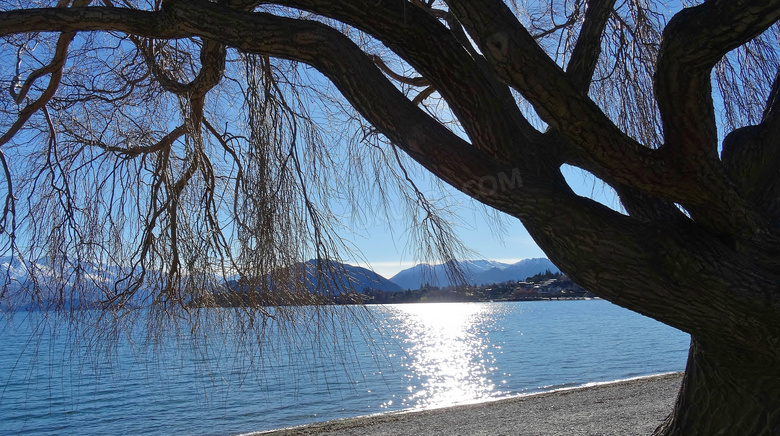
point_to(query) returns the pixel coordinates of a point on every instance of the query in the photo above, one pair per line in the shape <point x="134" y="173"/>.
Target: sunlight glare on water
<point x="449" y="357"/>
<point x="405" y="357"/>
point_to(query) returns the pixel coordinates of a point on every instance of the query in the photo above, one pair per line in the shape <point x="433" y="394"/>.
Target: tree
<point x="119" y="109"/>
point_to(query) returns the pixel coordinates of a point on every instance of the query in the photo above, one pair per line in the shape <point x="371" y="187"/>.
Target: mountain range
<point x="55" y="281"/>
<point x="474" y="272"/>
<point x="337" y="277"/>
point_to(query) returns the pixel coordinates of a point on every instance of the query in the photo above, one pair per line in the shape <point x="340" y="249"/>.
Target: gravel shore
<point x="624" y="408"/>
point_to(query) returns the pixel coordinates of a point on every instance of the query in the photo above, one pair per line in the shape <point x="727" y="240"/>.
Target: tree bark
<point x="724" y="394"/>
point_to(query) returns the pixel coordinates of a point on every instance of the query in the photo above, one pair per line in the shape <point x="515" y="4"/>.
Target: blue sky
<point x="387" y="252"/>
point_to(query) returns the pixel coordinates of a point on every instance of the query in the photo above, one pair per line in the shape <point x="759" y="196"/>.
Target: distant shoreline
<point x="634" y="406"/>
<point x="495" y="301"/>
<point x="545" y="286"/>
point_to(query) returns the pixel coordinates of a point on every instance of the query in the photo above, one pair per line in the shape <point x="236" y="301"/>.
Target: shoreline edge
<point x="632" y="406"/>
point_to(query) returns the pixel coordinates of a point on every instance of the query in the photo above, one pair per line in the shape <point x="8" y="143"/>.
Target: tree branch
<point x="772" y="108"/>
<point x="8" y="218"/>
<point x="475" y="95"/>
<point x="693" y="41"/>
<point x="211" y="65"/>
<point x="164" y="143"/>
<point x="144" y="23"/>
<point x="547" y="209"/>
<point x="599" y="145"/>
<point x="751" y="157"/>
<point x="486" y="102"/>
<point x="54" y="68"/>
<point x="414" y="81"/>
<point x="646" y="207"/>
<point x="586" y="52"/>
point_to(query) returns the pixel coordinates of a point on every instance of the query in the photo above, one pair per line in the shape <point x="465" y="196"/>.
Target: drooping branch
<point x="212" y="59"/>
<point x="56" y="63"/>
<point x="625" y="70"/>
<point x="479" y="109"/>
<point x="19" y="92"/>
<point x="164" y="142"/>
<point x="356" y="75"/>
<point x="439" y="150"/>
<point x="261" y="40"/>
<point x="8" y="218"/>
<point x="54" y="70"/>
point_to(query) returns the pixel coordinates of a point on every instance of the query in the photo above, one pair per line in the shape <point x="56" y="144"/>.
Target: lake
<point x="409" y="356"/>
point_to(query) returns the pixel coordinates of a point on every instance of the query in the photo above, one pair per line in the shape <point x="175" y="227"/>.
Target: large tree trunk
<point x="725" y="394"/>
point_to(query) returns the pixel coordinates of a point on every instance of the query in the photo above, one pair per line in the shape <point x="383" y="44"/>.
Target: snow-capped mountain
<point x="55" y="279"/>
<point x="45" y="282"/>
<point x="474" y="271"/>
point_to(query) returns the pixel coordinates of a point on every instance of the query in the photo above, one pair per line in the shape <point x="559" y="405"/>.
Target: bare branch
<point x="751" y="156"/>
<point x="212" y="58"/>
<point x="163" y="143"/>
<point x="279" y="209"/>
<point x="54" y="68"/>
<point x="695" y="181"/>
<point x="571" y="20"/>
<point x="772" y="107"/>
<point x="414" y="81"/>
<point x="8" y="219"/>
<point x="693" y="41"/>
<point x="425" y="93"/>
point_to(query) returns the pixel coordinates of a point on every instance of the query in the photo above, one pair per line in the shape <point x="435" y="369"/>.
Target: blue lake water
<point x="409" y="357"/>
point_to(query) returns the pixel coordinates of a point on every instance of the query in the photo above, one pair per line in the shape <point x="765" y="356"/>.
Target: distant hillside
<point x="347" y="278"/>
<point x="476" y="272"/>
<point x="16" y="276"/>
<point x="54" y="279"/>
<point x="331" y="277"/>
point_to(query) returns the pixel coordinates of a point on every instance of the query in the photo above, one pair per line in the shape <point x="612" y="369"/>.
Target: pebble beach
<point x="622" y="408"/>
